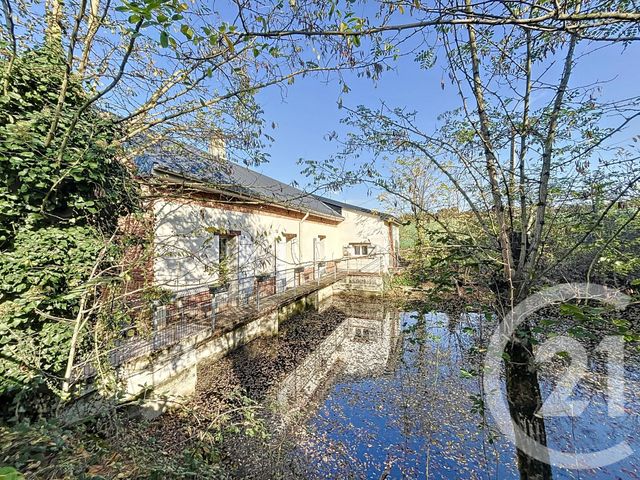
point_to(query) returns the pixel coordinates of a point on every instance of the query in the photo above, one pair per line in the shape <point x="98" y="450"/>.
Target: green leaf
<point x="228" y="42"/>
<point x="467" y="373"/>
<point x="187" y="31"/>
<point x="572" y="310"/>
<point x="164" y="39"/>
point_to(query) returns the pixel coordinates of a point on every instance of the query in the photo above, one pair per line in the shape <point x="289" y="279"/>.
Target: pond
<point x="386" y="393"/>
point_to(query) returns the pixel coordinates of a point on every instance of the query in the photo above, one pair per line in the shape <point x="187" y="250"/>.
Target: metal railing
<point x="147" y="326"/>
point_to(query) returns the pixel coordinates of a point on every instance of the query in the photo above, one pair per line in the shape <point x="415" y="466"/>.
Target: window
<point x="226" y="255"/>
<point x="319" y="245"/>
<point x="291" y="248"/>
<point x="224" y="248"/>
<point x="360" y="249"/>
<point x="364" y="334"/>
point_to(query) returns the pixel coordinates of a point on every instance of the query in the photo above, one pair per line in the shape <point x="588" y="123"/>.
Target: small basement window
<point x="361" y="249"/>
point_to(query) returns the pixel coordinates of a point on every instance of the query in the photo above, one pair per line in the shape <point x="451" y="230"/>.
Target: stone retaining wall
<point x="166" y="375"/>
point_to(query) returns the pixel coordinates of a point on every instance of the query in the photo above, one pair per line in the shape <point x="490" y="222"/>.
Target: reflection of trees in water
<point x="429" y="422"/>
<point x="443" y="414"/>
<point x="306" y="350"/>
<point x="525" y="399"/>
<point x="380" y="393"/>
<point x="522" y="385"/>
<point x="426" y="394"/>
<point x="522" y="388"/>
<point x="354" y="349"/>
<point x="528" y="382"/>
<point x="384" y="395"/>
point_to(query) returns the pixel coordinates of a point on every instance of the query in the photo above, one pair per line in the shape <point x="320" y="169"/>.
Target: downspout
<point x="392" y="249"/>
<point x="306" y="215"/>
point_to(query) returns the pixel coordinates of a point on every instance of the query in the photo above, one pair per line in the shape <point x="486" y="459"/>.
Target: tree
<point x="516" y="161"/>
<point x="169" y="71"/>
<point x="85" y="89"/>
<point x="415" y="191"/>
<point x="58" y="213"/>
<point x="157" y="71"/>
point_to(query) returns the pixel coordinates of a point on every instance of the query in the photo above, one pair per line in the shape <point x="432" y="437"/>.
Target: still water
<point x="398" y="394"/>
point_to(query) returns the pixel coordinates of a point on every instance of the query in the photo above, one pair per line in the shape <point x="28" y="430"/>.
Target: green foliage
<point x="56" y="209"/>
<point x="404" y="279"/>
<point x="610" y="252"/>
<point x="51" y="449"/>
<point x="591" y="322"/>
<point x="10" y="473"/>
<point x="183" y="443"/>
<point x="43" y="274"/>
<point x="446" y="260"/>
<point x="39" y="184"/>
<point x="408" y="236"/>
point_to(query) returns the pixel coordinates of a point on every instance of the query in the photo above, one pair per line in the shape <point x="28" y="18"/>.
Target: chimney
<point x="218" y="147"/>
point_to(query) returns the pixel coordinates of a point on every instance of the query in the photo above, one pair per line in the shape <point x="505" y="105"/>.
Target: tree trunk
<point x="54" y="14"/>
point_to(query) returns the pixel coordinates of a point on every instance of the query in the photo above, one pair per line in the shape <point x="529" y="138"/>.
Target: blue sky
<point x="307" y="111"/>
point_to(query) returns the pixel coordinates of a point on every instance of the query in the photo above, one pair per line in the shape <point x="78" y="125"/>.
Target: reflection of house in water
<point x="366" y="344"/>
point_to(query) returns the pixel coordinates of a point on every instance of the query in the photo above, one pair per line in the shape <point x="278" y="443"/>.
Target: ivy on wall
<point x="57" y="210"/>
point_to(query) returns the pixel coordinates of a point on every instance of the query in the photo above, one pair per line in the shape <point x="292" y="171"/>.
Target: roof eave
<point x="210" y="188"/>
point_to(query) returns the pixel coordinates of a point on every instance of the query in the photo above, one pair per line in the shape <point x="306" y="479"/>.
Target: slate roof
<point x="233" y="178"/>
<point x="338" y="206"/>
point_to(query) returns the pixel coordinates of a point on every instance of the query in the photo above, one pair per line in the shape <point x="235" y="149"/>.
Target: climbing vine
<point x="59" y="205"/>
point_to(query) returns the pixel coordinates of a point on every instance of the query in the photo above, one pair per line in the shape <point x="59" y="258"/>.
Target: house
<point x="218" y="224"/>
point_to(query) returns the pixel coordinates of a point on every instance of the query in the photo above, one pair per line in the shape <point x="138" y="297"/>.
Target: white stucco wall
<point x="361" y="227"/>
<point x="186" y="242"/>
